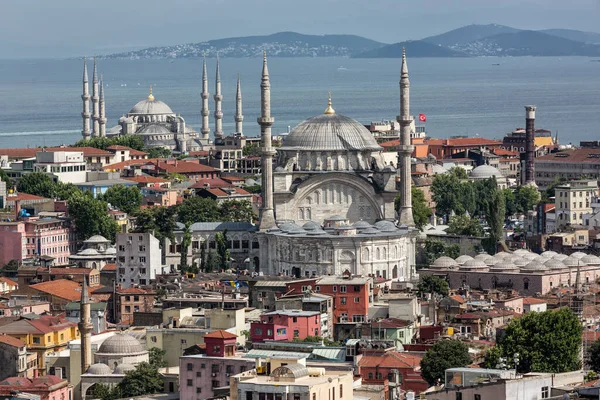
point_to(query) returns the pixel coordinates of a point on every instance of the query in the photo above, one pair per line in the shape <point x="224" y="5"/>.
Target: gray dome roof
<point x="502" y="254"/>
<point x="482" y="256"/>
<point x="531" y="257"/>
<point x="485" y="172"/>
<point x="492" y="260"/>
<point x="385" y="226"/>
<point x="99" y="369"/>
<point x="520" y="262"/>
<point x="110" y="250"/>
<point x="330" y="132"/>
<point x="444" y="262"/>
<point x="362" y="225"/>
<point x="151" y="106"/>
<point x="290" y="227"/>
<point x="573" y="262"/>
<point x="121" y="369"/>
<point x="97" y="239"/>
<point x="520" y="252"/>
<point x="474" y="264"/>
<point x="534" y="266"/>
<point x="503" y="266"/>
<point x="579" y="255"/>
<point x="121" y="343"/>
<point x="88" y="252"/>
<point x="549" y="253"/>
<point x="591" y="259"/>
<point x="463" y="259"/>
<point x="560" y="257"/>
<point x="311" y="226"/>
<point x="555" y="264"/>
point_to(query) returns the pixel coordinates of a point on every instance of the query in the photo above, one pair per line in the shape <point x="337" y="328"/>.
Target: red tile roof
<point x="61" y="288"/>
<point x="24" y="197"/>
<point x="390" y="359"/>
<point x="183" y="167"/>
<point x="463" y="142"/>
<point x="390" y="323"/>
<point x="66" y="271"/>
<point x="31" y="152"/>
<point x="220" y="334"/>
<point x="8" y="281"/>
<point x="458" y="298"/>
<point x="110" y="267"/>
<point x="11" y="341"/>
<point x="121" y="165"/>
<point x="44" y="324"/>
<point x="390" y="143"/>
<point x="533" y="300"/>
<point x="221" y="193"/>
<point x="233" y="178"/>
<point x="210" y="183"/>
<point x="202" y="153"/>
<point x="146" y="179"/>
<point x="40" y="383"/>
<point x="583" y="155"/>
<point x="504" y="152"/>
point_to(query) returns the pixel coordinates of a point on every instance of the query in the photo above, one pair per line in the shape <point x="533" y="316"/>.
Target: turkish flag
<point x="422" y="118"/>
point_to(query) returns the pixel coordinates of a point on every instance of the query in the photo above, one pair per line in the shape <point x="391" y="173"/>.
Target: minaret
<point x="218" y="98"/>
<point x="239" y="117"/>
<point x="85" y="114"/>
<point x="405" y="149"/>
<point x="530" y="145"/>
<point x="267" y="215"/>
<point x="85" y="328"/>
<point x="95" y="102"/>
<point x="205" y="123"/>
<point x="102" y="119"/>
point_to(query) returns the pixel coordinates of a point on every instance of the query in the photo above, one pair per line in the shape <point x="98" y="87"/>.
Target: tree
<point x="198" y="209"/>
<point x="421" y="212"/>
<point x="254" y="189"/>
<point x="464" y="225"/>
<point x="547" y="341"/>
<point x="594" y="356"/>
<point x="126" y="198"/>
<point x="494" y="216"/>
<point x="91" y="217"/>
<point x="526" y="198"/>
<point x="433" y="285"/>
<point x="105" y="392"/>
<point x="202" y="265"/>
<point x="132" y="141"/>
<point x="237" y="211"/>
<point x="252" y="149"/>
<point x="510" y="202"/>
<point x="5" y="178"/>
<point x="144" y="379"/>
<point x="222" y="249"/>
<point x="435" y="248"/>
<point x="157" y="357"/>
<point x="443" y="355"/>
<point x="38" y="184"/>
<point x="459" y="172"/>
<point x="445" y="191"/>
<point x="159" y="152"/>
<point x="550" y="191"/>
<point x="185" y="245"/>
<point x="211" y="262"/>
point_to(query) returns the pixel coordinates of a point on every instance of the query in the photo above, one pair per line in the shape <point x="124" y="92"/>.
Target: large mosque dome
<point x="121" y="344"/>
<point x="151" y="107"/>
<point x="331" y="132"/>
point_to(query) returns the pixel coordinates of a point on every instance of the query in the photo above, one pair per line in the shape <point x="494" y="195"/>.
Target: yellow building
<point x="43" y="336"/>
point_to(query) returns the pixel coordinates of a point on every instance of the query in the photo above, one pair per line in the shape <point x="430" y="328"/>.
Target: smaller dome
<point x="369" y="231"/>
<point x="530" y="256"/>
<point x="534" y="266"/>
<point x="122" y="369"/>
<point x="482" y="256"/>
<point x="573" y="262"/>
<point x="97" y="239"/>
<point x="110" y="250"/>
<point x="520" y="262"/>
<point x="250" y="182"/>
<point x="99" y="369"/>
<point x="290" y="227"/>
<point x="579" y="255"/>
<point x="362" y="225"/>
<point x="559" y="257"/>
<point x="555" y="264"/>
<point x="444" y="263"/>
<point x="539" y="258"/>
<point x="463" y="259"/>
<point x="503" y="266"/>
<point x="520" y="252"/>
<point x="474" y="264"/>
<point x="591" y="259"/>
<point x="502" y="254"/>
<point x="485" y="172"/>
<point x="492" y="261"/>
<point x="549" y="253"/>
<point x="385" y="226"/>
<point x="311" y="226"/>
<point x="121" y="343"/>
<point x="88" y="252"/>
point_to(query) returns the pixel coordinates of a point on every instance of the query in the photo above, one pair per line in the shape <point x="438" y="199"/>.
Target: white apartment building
<point x="64" y="166"/>
<point x="138" y="259"/>
<point x="573" y="200"/>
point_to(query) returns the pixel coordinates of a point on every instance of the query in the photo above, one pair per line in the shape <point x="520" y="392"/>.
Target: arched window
<point x="367" y="254"/>
<point x="384" y="253"/>
<point x="377" y="254"/>
<point x="317" y="197"/>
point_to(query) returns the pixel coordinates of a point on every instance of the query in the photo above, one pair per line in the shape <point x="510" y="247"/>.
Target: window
<point x="458" y="396"/>
<point x="545" y="392"/>
<point x="190" y="366"/>
<point x="476" y="397"/>
<point x="296" y="333"/>
<point x="198" y="390"/>
<point x="341" y="391"/>
<point x="142" y="259"/>
<point x="190" y="382"/>
<point x="370" y="375"/>
<point x="342" y="300"/>
<point x="342" y="289"/>
<point x="183" y="341"/>
<point x="202" y="366"/>
<point x="317" y="289"/>
<point x="142" y="247"/>
<point x="294" y="319"/>
<point x="258" y="331"/>
<point x="357" y="299"/>
<point x="128" y="309"/>
<point x="215" y="384"/>
<point x="199" y="374"/>
<point x="334" y="289"/>
<point x="357" y="288"/>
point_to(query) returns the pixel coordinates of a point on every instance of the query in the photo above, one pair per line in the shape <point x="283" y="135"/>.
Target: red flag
<point x="422" y="118"/>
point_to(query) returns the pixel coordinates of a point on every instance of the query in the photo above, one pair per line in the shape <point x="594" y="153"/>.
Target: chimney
<point x="17" y="208"/>
<point x="529" y="145"/>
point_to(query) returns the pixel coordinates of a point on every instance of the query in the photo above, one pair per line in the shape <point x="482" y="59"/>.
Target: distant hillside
<point x="528" y="43"/>
<point x="467" y="34"/>
<point x="414" y="49"/>
<point x="282" y="44"/>
<point x="578" y="36"/>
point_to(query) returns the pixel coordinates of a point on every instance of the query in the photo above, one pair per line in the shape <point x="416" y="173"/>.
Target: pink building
<point x="286" y="325"/>
<point x="49" y="387"/>
<point x="35" y="237"/>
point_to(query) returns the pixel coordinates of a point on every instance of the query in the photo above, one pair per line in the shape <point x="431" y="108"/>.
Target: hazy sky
<point x="44" y="28"/>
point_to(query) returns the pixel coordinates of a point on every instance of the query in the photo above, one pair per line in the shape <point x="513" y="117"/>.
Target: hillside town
<point x="335" y="261"/>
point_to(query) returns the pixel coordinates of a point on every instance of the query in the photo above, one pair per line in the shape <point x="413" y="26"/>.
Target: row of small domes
<point x="520" y="259"/>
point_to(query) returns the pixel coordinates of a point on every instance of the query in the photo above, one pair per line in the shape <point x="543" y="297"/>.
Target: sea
<point x="40" y="100"/>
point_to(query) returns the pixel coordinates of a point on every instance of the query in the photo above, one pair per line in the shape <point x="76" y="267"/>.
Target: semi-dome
<point x="444" y="263"/>
<point x="555" y="264"/>
<point x="154" y="129"/>
<point x="121" y="344"/>
<point x="486" y="172"/>
<point x="122" y="369"/>
<point x="330" y="132"/>
<point x="503" y="266"/>
<point x="88" y="252"/>
<point x="463" y="259"/>
<point x="591" y="259"/>
<point x="579" y="255"/>
<point x="99" y="369"/>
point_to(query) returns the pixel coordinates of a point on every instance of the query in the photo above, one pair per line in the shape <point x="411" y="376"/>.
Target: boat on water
<point x="496" y="64"/>
<point x="342" y="68"/>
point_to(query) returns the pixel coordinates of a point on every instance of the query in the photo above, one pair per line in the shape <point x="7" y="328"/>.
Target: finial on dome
<point x="329" y="110"/>
<point x="150" y="96"/>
